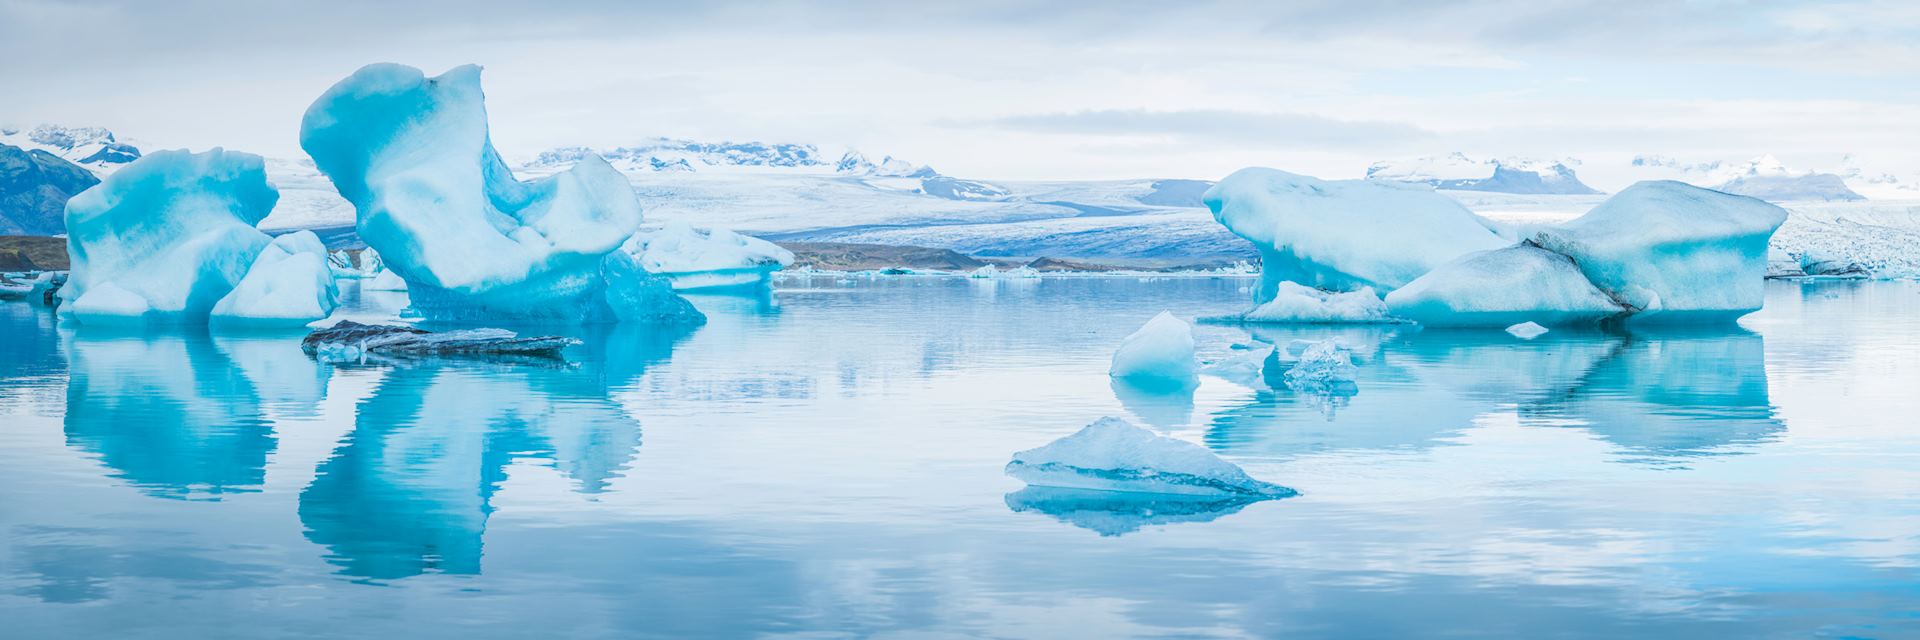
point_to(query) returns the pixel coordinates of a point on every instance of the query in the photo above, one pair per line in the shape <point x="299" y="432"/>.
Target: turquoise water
<point x="826" y="462"/>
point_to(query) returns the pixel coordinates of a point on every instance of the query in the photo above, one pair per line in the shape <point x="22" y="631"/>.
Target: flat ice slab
<point x="1114" y="455"/>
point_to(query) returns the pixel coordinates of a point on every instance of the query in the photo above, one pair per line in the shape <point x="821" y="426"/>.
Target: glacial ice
<point x="432" y="195"/>
<point x="1114" y="455"/>
<point x="385" y="280"/>
<point x="1345" y="234"/>
<point x="349" y="341"/>
<point x="1673" y="250"/>
<point x="716" y="258"/>
<point x="289" y="283"/>
<point x="1527" y="330"/>
<point x="988" y="271"/>
<point x="1295" y="303"/>
<point x="1112" y="513"/>
<point x="166" y="237"/>
<point x="1324" y="369"/>
<point x="1159" y="354"/>
<point x="1501" y="287"/>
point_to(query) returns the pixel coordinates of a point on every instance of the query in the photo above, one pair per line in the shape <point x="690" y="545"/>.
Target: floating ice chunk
<point x="1114" y="455"/>
<point x="413" y="156"/>
<point x="1244" y="366"/>
<point x="289" y="283"/>
<point x="386" y="281"/>
<point x="1160" y="353"/>
<point x="1343" y="235"/>
<point x="351" y="341"/>
<point x="1023" y="271"/>
<point x="692" y="259"/>
<point x="1527" y="330"/>
<point x="1673" y="251"/>
<point x="1501" y="287"/>
<point x="1324" y="369"/>
<point x="1294" y="303"/>
<point x="165" y="237"/>
<point x="988" y="271"/>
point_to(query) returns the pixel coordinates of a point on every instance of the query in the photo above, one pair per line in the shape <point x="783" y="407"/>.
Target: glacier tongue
<point x="413" y="156"/>
<point x="166" y="237"/>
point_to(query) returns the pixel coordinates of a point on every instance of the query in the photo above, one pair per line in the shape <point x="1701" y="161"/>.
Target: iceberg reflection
<point x="1116" y="513"/>
<point x="409" y="491"/>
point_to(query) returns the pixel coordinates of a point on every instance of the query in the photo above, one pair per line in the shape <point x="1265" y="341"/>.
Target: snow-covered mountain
<point x="1763" y="177"/>
<point x="92" y="147"/>
<point x="34" y="187"/>
<point x="1458" y="171"/>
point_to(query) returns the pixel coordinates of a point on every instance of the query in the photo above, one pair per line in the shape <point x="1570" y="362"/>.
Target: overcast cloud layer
<point x="1107" y="89"/>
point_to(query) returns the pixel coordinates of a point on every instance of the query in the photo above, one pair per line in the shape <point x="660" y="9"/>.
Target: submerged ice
<point x="1324" y="369"/>
<point x="1114" y="455"/>
<point x="433" y="197"/>
<point x="166" y="237"/>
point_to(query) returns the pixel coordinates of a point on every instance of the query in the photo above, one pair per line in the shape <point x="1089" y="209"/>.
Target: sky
<point x="1003" y="90"/>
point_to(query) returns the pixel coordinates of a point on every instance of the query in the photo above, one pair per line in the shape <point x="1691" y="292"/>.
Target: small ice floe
<point x="988" y="271"/>
<point x="1245" y="365"/>
<point x="1296" y="303"/>
<point x="349" y="341"/>
<point x="1160" y="353"/>
<point x="1114" y="455"/>
<point x="386" y="280"/>
<point x="1111" y="513"/>
<point x="1323" y="368"/>
<point x="1527" y="330"/>
<point x="1023" y="272"/>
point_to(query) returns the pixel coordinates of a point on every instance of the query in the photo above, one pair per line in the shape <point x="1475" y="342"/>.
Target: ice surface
<point x="1160" y="353"/>
<point x="165" y="237"/>
<point x="385" y="280"/>
<point x="289" y="283"/>
<point x="1345" y="234"/>
<point x="693" y="259"/>
<point x="1114" y="455"/>
<point x="432" y="195"/>
<point x="1501" y="287"/>
<point x="988" y="271"/>
<point x="1672" y="251"/>
<point x="1295" y="303"/>
<point x="1323" y="368"/>
<point x="1527" y="330"/>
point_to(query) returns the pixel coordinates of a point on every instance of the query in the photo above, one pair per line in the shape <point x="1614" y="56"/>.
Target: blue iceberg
<point x="1114" y="455"/>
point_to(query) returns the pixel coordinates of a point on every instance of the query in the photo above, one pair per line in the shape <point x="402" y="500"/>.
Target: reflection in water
<point x="1658" y="395"/>
<point x="1162" y="405"/>
<point x="168" y="411"/>
<point x="1115" y="513"/>
<point x="410" y="489"/>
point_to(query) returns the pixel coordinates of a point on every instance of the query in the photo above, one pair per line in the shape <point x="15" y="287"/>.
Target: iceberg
<point x="1160" y="354"/>
<point x="1110" y="513"/>
<point x="1673" y="249"/>
<point x="1502" y="287"/>
<point x="1324" y="369"/>
<point x="717" y="258"/>
<point x="433" y="197"/>
<point x="289" y="283"/>
<point x="1300" y="304"/>
<point x="988" y="271"/>
<point x="1527" y="330"/>
<point x="1114" y="455"/>
<point x="1345" y="234"/>
<point x="385" y="280"/>
<point x="165" y="237"/>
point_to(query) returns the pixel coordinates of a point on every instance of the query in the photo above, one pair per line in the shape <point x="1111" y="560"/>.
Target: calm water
<point x="827" y="462"/>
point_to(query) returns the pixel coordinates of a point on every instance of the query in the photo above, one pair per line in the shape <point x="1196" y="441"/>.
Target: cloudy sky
<point x="988" y="89"/>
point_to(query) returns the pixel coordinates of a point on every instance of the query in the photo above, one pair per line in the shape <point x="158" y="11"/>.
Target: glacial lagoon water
<point x="825" y="461"/>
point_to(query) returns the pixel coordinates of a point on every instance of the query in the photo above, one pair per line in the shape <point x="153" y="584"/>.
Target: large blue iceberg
<point x="166" y="237"/>
<point x="433" y="197"/>
<point x="1658" y="251"/>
